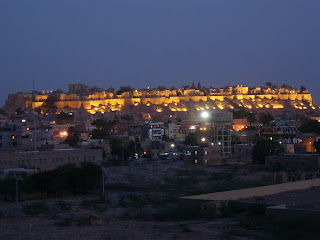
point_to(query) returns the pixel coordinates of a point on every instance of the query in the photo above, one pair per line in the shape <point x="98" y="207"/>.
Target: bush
<point x="182" y="213"/>
<point x="257" y="209"/>
<point x="67" y="178"/>
<point x="63" y="205"/>
<point x="35" y="208"/>
<point x="236" y="207"/>
<point x="221" y="176"/>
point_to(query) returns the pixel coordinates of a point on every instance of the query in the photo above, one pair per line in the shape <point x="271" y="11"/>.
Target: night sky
<point x="166" y="42"/>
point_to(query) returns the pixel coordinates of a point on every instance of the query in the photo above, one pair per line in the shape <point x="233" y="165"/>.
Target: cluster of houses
<point x="33" y="140"/>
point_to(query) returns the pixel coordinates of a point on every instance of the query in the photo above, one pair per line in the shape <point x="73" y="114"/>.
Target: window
<point x="188" y="153"/>
<point x="196" y="161"/>
<point x="205" y="152"/>
<point x="195" y="152"/>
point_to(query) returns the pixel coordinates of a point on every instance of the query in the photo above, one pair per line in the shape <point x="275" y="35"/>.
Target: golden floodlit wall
<point x="103" y="99"/>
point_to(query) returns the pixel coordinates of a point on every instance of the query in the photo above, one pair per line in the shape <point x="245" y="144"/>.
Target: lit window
<point x="196" y="161"/>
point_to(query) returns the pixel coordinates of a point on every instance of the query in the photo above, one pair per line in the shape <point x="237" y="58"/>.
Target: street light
<point x="205" y="115"/>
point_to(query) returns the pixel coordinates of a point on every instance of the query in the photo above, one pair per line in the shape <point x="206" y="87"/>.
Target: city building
<point x="172" y="129"/>
<point x="153" y="131"/>
<point x="306" y="143"/>
<point x="10" y="137"/>
<point x="47" y="160"/>
<point x="205" y="154"/>
<point x="239" y="124"/>
<point x="220" y="130"/>
<point x="243" y="149"/>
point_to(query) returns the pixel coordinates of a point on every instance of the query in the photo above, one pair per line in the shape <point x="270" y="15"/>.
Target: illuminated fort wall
<point x="103" y="99"/>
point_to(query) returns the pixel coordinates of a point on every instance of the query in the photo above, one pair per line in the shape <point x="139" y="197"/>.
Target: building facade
<point x="47" y="160"/>
<point x="201" y="156"/>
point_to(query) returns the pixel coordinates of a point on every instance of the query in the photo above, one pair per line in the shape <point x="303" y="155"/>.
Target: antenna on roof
<point x="35" y="127"/>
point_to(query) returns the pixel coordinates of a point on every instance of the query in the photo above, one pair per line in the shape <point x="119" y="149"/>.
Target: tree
<point x="303" y="88"/>
<point x="67" y="178"/>
<point x="264" y="148"/>
<point x="265" y="118"/>
<point x="73" y="137"/>
<point x="124" y="89"/>
<point x="102" y="130"/>
<point x="242" y="113"/>
<point x="127" y="117"/>
<point x="132" y="149"/>
<point x="192" y="139"/>
<point x="166" y="138"/>
<point x="49" y="105"/>
<point x="309" y="126"/>
<point x="99" y="123"/>
<point x="161" y="88"/>
<point x="269" y="84"/>
<point x="317" y="146"/>
<point x="116" y="145"/>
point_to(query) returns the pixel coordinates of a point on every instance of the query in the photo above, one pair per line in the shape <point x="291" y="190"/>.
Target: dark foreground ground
<point x="154" y="212"/>
<point x="147" y="217"/>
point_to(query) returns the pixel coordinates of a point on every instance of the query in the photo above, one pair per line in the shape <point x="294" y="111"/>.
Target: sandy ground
<point x="20" y="226"/>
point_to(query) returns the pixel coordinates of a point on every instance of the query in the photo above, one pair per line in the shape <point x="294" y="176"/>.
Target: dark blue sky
<point x="165" y="42"/>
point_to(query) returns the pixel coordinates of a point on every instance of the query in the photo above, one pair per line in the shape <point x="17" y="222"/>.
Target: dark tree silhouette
<point x="265" y="118"/>
<point x="264" y="148"/>
<point x="303" y="88"/>
<point x="73" y="137"/>
<point x="192" y="139"/>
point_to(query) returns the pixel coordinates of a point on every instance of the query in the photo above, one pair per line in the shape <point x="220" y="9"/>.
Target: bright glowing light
<point x="203" y="139"/>
<point x="64" y="134"/>
<point x="172" y="145"/>
<point x="204" y="114"/>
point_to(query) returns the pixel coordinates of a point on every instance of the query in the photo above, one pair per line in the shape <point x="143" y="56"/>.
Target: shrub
<point x="35" y="208"/>
<point x="63" y="205"/>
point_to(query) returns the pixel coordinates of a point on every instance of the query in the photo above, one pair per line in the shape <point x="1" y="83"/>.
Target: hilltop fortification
<point x="94" y="99"/>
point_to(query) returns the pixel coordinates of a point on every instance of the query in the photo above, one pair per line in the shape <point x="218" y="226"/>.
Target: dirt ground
<point x="153" y="212"/>
<point x="19" y="225"/>
<point x="136" y="218"/>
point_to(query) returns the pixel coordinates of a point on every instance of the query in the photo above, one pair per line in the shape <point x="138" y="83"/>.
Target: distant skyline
<point x="150" y="43"/>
